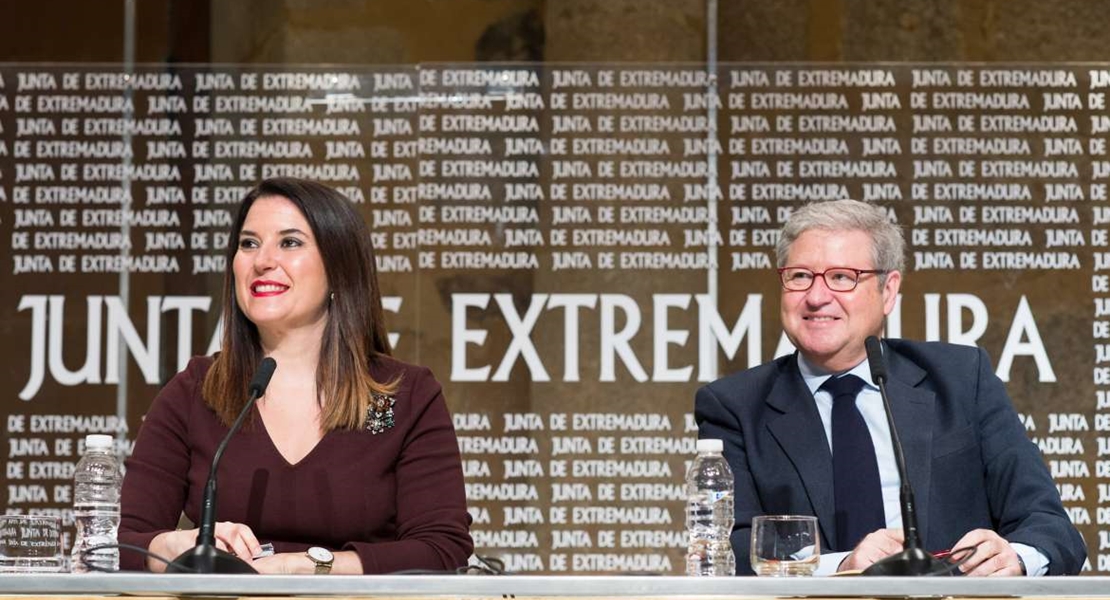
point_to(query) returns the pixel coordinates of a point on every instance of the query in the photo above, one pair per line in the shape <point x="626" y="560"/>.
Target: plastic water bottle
<point x="97" y="483"/>
<point x="709" y="513"/>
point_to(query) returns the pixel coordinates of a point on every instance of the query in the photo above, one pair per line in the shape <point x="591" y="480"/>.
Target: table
<point x="525" y="586"/>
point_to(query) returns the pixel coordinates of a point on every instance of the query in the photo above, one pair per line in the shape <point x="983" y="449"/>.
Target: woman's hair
<point x="354" y="335"/>
<point x="887" y="243"/>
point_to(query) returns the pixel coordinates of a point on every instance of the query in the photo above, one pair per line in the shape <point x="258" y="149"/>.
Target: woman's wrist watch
<point x="322" y="557"/>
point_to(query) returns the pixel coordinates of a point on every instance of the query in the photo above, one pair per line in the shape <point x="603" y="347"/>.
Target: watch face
<point x="320" y="554"/>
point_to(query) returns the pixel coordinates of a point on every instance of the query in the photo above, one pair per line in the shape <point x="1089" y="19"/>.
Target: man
<point x="979" y="481"/>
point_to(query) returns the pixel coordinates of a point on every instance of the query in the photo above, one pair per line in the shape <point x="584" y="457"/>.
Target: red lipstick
<point x="264" y="288"/>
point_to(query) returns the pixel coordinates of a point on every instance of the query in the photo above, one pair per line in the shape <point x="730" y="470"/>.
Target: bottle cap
<point x="96" y="441"/>
<point x="711" y="446"/>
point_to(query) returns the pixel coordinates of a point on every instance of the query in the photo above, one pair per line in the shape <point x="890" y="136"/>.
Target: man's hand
<point x="993" y="555"/>
<point x="877" y="545"/>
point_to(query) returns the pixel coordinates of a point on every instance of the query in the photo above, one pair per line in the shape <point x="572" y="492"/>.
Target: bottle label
<point x="715" y="496"/>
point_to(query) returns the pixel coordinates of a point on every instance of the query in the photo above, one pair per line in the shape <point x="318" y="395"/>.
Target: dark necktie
<point x="856" y="488"/>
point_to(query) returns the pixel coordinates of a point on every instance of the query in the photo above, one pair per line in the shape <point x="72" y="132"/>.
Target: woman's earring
<point x="331" y="297"/>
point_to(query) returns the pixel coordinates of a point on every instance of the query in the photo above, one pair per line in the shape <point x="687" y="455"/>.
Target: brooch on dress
<point x="379" y="415"/>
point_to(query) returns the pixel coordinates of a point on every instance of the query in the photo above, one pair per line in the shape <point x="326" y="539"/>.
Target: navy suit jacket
<point x="968" y="458"/>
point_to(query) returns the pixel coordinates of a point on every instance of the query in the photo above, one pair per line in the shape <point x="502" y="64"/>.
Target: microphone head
<point x="875" y="359"/>
<point x="262" y="377"/>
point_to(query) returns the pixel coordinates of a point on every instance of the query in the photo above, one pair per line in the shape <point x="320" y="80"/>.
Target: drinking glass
<point x="31" y="544"/>
<point x="785" y="545"/>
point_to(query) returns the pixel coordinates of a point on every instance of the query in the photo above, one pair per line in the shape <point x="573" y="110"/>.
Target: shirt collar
<point x="814" y="376"/>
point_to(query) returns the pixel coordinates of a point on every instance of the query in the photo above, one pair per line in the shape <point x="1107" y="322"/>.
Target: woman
<point x="350" y="455"/>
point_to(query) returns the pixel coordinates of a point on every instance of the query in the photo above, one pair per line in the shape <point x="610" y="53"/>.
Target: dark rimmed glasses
<point x="838" y="279"/>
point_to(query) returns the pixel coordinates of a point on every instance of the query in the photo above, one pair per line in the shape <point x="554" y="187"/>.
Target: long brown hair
<point x="355" y="334"/>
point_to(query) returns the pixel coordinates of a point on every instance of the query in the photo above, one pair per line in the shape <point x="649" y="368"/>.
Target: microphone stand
<point x="205" y="557"/>
<point x="912" y="560"/>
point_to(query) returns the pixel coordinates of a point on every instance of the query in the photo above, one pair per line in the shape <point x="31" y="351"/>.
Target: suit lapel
<point x="913" y="416"/>
<point x="800" y="434"/>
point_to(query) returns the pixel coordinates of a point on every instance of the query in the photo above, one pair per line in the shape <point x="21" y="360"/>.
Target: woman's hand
<point x="285" y="563"/>
<point x="236" y="538"/>
<point x="298" y="563"/>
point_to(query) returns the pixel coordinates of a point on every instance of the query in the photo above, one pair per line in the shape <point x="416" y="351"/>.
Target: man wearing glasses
<point x="804" y="436"/>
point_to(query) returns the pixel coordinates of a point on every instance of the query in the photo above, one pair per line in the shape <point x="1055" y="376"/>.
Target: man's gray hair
<point x="888" y="244"/>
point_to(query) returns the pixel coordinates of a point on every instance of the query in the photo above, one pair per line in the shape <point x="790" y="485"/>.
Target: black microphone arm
<point x="912" y="560"/>
<point x="205" y="557"/>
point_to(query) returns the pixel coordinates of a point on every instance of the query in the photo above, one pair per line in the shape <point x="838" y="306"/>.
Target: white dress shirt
<point x="870" y="405"/>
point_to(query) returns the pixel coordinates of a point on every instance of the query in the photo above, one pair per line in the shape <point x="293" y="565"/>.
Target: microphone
<point x="205" y="557"/>
<point x="912" y="560"/>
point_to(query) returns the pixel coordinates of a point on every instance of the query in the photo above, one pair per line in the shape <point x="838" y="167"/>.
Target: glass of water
<point x="785" y="545"/>
<point x="31" y="544"/>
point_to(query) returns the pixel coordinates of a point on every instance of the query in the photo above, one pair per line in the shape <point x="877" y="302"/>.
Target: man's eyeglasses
<point x="839" y="279"/>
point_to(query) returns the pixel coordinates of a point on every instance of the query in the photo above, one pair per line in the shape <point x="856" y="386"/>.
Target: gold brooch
<point x="379" y="415"/>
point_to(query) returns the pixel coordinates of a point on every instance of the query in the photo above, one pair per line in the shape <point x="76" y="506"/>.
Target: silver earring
<point x="331" y="297"/>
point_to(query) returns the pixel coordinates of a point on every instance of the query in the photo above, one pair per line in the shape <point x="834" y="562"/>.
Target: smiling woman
<point x="349" y="463"/>
<point x="280" y="283"/>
